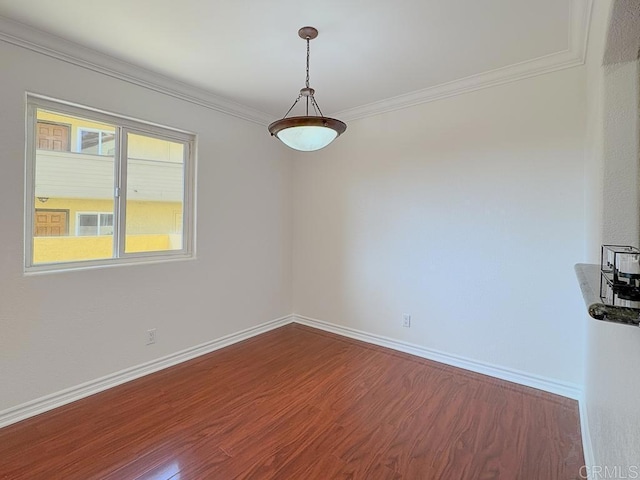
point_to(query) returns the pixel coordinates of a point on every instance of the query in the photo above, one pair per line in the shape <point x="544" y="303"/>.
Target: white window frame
<point x="124" y="126"/>
<point x="98" y="215"/>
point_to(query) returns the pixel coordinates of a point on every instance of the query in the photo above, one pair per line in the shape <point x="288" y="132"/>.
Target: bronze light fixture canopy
<point x="310" y="132"/>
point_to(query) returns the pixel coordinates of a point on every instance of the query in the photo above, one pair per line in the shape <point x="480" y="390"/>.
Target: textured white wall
<point x="612" y="383"/>
<point x="60" y="330"/>
<point x="467" y="213"/>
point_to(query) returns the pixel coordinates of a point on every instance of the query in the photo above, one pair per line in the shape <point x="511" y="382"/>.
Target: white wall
<point x="59" y="330"/>
<point x="467" y="213"/>
<point x="612" y="383"/>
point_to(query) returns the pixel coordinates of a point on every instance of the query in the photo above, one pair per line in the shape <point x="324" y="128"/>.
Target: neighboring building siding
<point x="143" y="217"/>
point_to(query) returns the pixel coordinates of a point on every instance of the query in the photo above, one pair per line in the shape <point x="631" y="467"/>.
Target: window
<point x="97" y="142"/>
<point x="116" y="190"/>
<point x="94" y="224"/>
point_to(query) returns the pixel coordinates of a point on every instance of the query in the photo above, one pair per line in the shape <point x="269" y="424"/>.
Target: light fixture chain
<point x="313" y="101"/>
<point x="308" y="55"/>
<point x="294" y="104"/>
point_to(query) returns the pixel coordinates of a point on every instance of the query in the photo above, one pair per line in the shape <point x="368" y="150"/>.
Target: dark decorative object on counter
<point x="620" y="275"/>
<point x="589" y="276"/>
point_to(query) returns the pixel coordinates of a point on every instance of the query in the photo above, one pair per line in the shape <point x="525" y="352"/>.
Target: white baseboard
<point x="63" y="397"/>
<point x="564" y="389"/>
<point x="587" y="447"/>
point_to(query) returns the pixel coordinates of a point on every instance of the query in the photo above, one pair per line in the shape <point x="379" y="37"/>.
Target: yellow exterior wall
<point x="74" y="122"/>
<point x="139" y="146"/>
<point x="147" y="243"/>
<point x="154" y="217"/>
<point x="151" y="227"/>
<point x="150" y="148"/>
<point x="74" y="205"/>
<point x="142" y="217"/>
<point x="67" y="249"/>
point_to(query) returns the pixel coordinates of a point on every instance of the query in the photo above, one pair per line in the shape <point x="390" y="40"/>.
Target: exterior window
<point x="96" y="142"/>
<point x="105" y="190"/>
<point x="94" y="224"/>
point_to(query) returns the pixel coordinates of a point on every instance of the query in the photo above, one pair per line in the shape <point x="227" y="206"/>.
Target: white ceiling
<point x="368" y="51"/>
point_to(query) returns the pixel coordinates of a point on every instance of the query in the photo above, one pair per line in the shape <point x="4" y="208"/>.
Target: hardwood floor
<point x="298" y="403"/>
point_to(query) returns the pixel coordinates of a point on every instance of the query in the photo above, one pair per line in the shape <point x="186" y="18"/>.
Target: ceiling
<point x="368" y="52"/>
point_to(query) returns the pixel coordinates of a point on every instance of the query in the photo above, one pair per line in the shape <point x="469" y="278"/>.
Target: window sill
<point x="43" y="269"/>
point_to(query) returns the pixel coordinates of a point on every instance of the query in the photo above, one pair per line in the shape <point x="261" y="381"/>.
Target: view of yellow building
<point x="75" y="201"/>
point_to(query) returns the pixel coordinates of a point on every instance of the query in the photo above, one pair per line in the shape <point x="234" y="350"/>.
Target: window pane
<point x="72" y="187"/>
<point x="88" y="220"/>
<point x="106" y="219"/>
<point x="106" y="224"/>
<point x="87" y="224"/>
<point x="155" y="194"/>
<point x="89" y="142"/>
<point x="96" y="142"/>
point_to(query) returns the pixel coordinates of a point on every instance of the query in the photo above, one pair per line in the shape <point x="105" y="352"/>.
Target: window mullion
<point x="120" y="214"/>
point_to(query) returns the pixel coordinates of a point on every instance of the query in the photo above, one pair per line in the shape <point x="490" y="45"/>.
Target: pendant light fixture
<point x="309" y="132"/>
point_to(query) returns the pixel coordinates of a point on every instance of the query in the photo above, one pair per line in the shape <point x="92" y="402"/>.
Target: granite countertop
<point x="589" y="278"/>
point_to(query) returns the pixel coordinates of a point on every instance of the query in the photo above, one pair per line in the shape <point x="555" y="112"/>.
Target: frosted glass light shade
<point x="307" y="139"/>
<point x="307" y="134"/>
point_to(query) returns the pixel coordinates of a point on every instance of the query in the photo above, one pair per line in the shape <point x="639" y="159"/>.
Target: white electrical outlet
<point x="151" y="336"/>
<point x="406" y="320"/>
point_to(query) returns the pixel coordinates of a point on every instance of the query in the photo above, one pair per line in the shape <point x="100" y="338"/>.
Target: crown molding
<point x="56" y="47"/>
<point x="573" y="56"/>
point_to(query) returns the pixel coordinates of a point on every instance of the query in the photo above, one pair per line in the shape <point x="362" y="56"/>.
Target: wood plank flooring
<point x="299" y="403"/>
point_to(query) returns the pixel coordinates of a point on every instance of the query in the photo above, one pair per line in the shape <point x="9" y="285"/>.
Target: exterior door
<point x="52" y="136"/>
<point x="51" y="223"/>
